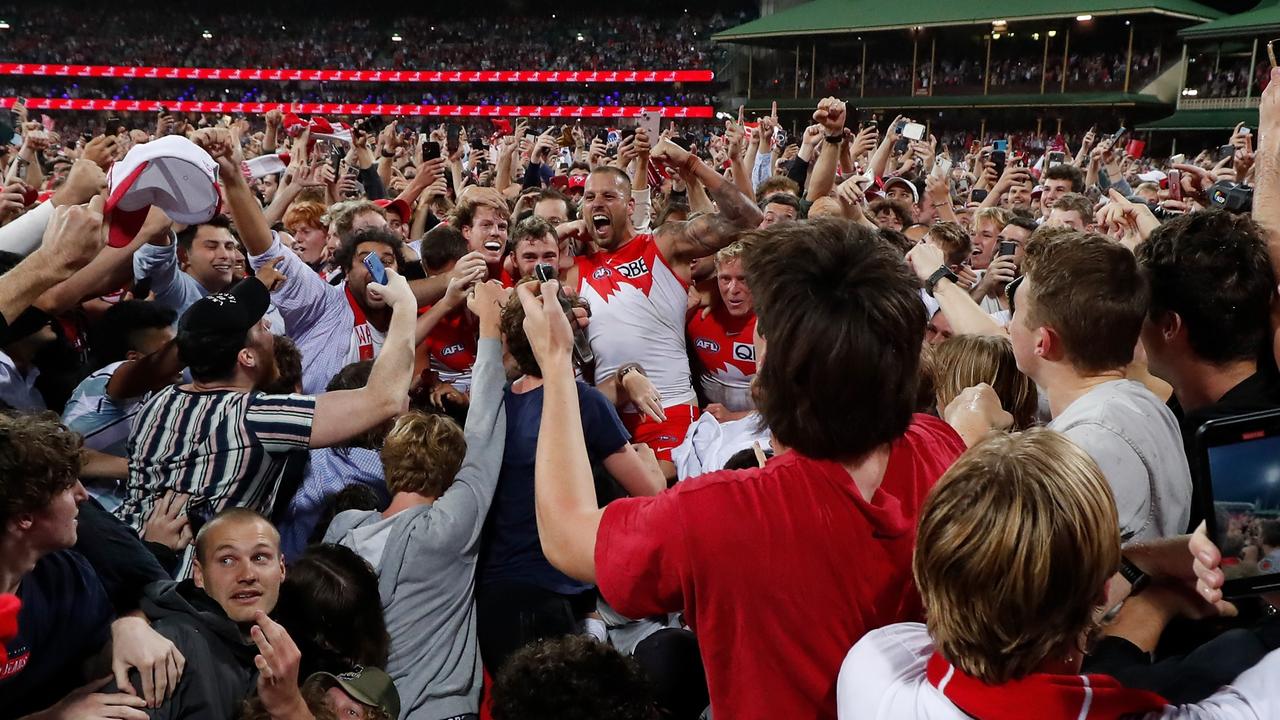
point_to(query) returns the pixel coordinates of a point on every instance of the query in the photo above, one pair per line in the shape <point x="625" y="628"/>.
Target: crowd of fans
<point x="1093" y="71"/>
<point x="275" y="38"/>
<point x="455" y="94"/>
<point x="451" y="421"/>
<point x="1227" y="78"/>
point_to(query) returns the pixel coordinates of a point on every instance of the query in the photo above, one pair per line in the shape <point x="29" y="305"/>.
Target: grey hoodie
<point x="219" y="674"/>
<point x="425" y="558"/>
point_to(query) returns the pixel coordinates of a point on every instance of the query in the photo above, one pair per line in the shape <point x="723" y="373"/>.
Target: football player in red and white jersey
<point x="722" y="338"/>
<point x="637" y="288"/>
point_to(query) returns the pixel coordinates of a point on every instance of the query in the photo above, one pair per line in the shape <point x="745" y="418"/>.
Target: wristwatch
<point x="942" y="272"/>
<point x="627" y="370"/>
<point x="1137" y="579"/>
<point x="835" y="139"/>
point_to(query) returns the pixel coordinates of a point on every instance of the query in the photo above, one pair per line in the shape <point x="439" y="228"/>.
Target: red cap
<point x="399" y="207"/>
<point x="577" y="182"/>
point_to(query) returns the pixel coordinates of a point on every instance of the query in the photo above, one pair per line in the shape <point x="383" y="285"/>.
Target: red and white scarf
<point x="362" y="330"/>
<point x="1051" y="696"/>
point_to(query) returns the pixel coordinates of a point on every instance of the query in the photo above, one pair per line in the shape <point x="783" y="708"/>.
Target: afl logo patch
<point x="705" y="344"/>
<point x="601" y="273"/>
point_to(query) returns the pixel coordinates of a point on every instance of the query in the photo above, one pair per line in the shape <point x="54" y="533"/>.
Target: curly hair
<point x="345" y="255"/>
<point x="39" y="458"/>
<point x="422" y="454"/>
<point x="313" y="694"/>
<point x="512" y="326"/>
<point x="289" y="368"/>
<point x="572" y="678"/>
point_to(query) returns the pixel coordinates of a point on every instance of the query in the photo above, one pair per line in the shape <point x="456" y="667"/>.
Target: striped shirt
<point x="104" y="422"/>
<point x="226" y="446"/>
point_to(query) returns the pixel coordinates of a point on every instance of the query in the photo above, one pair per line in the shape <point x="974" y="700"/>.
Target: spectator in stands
<point x="674" y="560"/>
<point x="890" y="214"/>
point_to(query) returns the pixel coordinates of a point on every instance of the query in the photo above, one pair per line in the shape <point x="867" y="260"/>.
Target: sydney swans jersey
<point x="638" y="306"/>
<point x="727" y="356"/>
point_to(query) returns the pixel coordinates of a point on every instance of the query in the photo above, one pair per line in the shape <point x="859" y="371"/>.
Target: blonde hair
<point x="1014" y="547"/>
<point x="422" y="454"/>
<point x="966" y="360"/>
<point x="997" y="215"/>
<point x="730" y="253"/>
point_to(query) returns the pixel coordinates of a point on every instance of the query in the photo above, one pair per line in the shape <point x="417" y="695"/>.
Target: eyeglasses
<point x="1012" y="289"/>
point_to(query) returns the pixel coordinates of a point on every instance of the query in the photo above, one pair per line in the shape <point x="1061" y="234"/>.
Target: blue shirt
<point x="511" y="550"/>
<point x="329" y="471"/>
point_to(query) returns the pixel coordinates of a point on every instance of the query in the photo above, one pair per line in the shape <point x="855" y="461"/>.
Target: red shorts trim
<point x="663" y="436"/>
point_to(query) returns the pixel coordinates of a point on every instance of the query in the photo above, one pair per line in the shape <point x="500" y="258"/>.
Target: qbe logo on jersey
<point x="746" y="352"/>
<point x="634" y="269"/>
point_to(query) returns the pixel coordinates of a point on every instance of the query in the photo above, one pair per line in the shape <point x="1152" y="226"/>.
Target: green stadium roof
<point x="1204" y="120"/>
<point x="823" y="17"/>
<point x="1263" y="19"/>
<point x="1110" y="99"/>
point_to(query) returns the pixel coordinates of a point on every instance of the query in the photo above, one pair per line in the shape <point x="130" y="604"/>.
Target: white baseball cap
<point x="173" y="173"/>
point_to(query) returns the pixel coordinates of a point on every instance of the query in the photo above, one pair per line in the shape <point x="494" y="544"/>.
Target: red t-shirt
<point x="779" y="570"/>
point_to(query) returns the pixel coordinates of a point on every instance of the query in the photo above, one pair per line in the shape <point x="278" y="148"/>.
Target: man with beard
<point x="637" y="288"/>
<point x="223" y="442"/>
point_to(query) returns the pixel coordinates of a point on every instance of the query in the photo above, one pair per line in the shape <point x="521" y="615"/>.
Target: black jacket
<point x="219" y="673"/>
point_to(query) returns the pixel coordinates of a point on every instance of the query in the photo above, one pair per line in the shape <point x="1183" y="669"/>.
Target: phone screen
<point x="376" y="269"/>
<point x="1245" y="477"/>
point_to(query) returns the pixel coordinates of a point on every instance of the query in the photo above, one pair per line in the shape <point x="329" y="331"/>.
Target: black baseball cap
<point x="227" y="312"/>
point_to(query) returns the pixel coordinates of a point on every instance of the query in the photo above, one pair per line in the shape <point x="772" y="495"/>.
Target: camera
<point x="1231" y="196"/>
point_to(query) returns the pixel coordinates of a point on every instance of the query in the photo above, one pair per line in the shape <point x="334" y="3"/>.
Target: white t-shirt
<point x="883" y="678"/>
<point x="1134" y="438"/>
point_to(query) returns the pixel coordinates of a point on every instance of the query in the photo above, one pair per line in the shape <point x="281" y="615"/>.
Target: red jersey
<point x="451" y="349"/>
<point x="727" y="356"/>
<point x="779" y="570"/>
